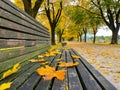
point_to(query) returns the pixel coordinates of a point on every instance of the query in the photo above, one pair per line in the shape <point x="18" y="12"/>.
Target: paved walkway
<point x="105" y="58"/>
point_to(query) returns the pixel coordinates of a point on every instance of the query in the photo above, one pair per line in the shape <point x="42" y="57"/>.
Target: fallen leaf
<point x="70" y="64"/>
<point x="5" y="86"/>
<point x="39" y="60"/>
<point x="40" y="56"/>
<point x="75" y="56"/>
<point x="15" y="68"/>
<point x="49" y="72"/>
<point x="59" y="59"/>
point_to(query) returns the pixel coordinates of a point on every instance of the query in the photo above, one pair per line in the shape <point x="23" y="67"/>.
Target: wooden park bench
<point x="22" y="38"/>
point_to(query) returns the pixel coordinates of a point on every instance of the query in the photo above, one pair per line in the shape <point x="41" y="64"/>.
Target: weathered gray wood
<point x="9" y="63"/>
<point x="24" y="67"/>
<point x="103" y="83"/>
<point x="74" y="81"/>
<point x="23" y="77"/>
<point x="47" y="84"/>
<point x="13" y="26"/>
<point x="6" y="5"/>
<point x="57" y="84"/>
<point x="4" y="33"/>
<point x="4" y="43"/>
<point x="15" y="52"/>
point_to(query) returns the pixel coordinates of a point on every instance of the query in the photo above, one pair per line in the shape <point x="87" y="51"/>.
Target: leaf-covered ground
<point x="105" y="58"/>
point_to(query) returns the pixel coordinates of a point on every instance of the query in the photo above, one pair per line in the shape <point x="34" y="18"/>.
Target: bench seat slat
<point x="104" y="83"/>
<point x="46" y="84"/>
<point x="73" y="79"/>
<point x="57" y="84"/>
<point x="14" y="76"/>
<point x="23" y="77"/>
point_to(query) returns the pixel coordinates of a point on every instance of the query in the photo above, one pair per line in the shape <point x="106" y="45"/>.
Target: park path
<point x="105" y="58"/>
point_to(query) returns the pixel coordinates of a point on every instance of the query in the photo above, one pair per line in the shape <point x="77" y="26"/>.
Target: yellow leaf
<point x="59" y="59"/>
<point x="75" y="56"/>
<point x="11" y="71"/>
<point x="49" y="72"/>
<point x="45" y="71"/>
<point x="66" y="88"/>
<point x="40" y="60"/>
<point x="70" y="64"/>
<point x="40" y="56"/>
<point x="5" y="86"/>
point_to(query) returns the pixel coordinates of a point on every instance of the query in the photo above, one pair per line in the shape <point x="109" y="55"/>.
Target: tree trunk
<point x="60" y="38"/>
<point x="80" y="38"/>
<point x="28" y="7"/>
<point x="85" y="37"/>
<point x="53" y="36"/>
<point x="114" y="39"/>
<point x="94" y="37"/>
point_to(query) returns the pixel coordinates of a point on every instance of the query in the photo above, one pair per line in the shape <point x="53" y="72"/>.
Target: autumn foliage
<point x="49" y="72"/>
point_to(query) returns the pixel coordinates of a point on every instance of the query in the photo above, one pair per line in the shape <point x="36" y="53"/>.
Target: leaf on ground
<point x="39" y="60"/>
<point x="15" y="68"/>
<point x="5" y="86"/>
<point x="49" y="72"/>
<point x="70" y="64"/>
<point x="75" y="56"/>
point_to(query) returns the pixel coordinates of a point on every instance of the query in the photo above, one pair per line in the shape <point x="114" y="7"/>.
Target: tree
<point x="110" y="13"/>
<point x="30" y="9"/>
<point x="30" y="6"/>
<point x="53" y="17"/>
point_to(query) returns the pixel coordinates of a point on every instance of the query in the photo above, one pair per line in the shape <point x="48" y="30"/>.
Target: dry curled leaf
<point x="49" y="72"/>
<point x="70" y="64"/>
<point x="39" y="60"/>
<point x="15" y="68"/>
<point x="75" y="56"/>
<point x="5" y="86"/>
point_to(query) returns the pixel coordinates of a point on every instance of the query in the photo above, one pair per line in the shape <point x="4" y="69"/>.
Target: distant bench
<point x="23" y="38"/>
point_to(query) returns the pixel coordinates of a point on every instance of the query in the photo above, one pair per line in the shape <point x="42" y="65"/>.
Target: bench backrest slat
<point x="21" y="36"/>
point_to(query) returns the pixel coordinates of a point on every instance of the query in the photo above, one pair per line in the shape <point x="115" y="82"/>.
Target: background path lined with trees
<point x="83" y="16"/>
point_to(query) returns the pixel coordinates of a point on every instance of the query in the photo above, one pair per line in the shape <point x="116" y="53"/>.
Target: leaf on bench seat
<point x="39" y="60"/>
<point x="49" y="72"/>
<point x="70" y="64"/>
<point x="59" y="59"/>
<point x="15" y="68"/>
<point x="40" y="56"/>
<point x="52" y="53"/>
<point x="75" y="56"/>
<point x="5" y="86"/>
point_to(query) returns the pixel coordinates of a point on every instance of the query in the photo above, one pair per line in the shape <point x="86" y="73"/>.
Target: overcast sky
<point x="104" y="32"/>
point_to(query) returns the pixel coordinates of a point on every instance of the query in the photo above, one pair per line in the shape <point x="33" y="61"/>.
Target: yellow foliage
<point x="11" y="71"/>
<point x="39" y="60"/>
<point x="52" y="53"/>
<point x="66" y="88"/>
<point x="70" y="64"/>
<point x="5" y="86"/>
<point x="75" y="56"/>
<point x="40" y="56"/>
<point x="49" y="72"/>
<point x="59" y="59"/>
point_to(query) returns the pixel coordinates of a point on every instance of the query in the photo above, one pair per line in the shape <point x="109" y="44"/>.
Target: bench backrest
<point x="21" y="36"/>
